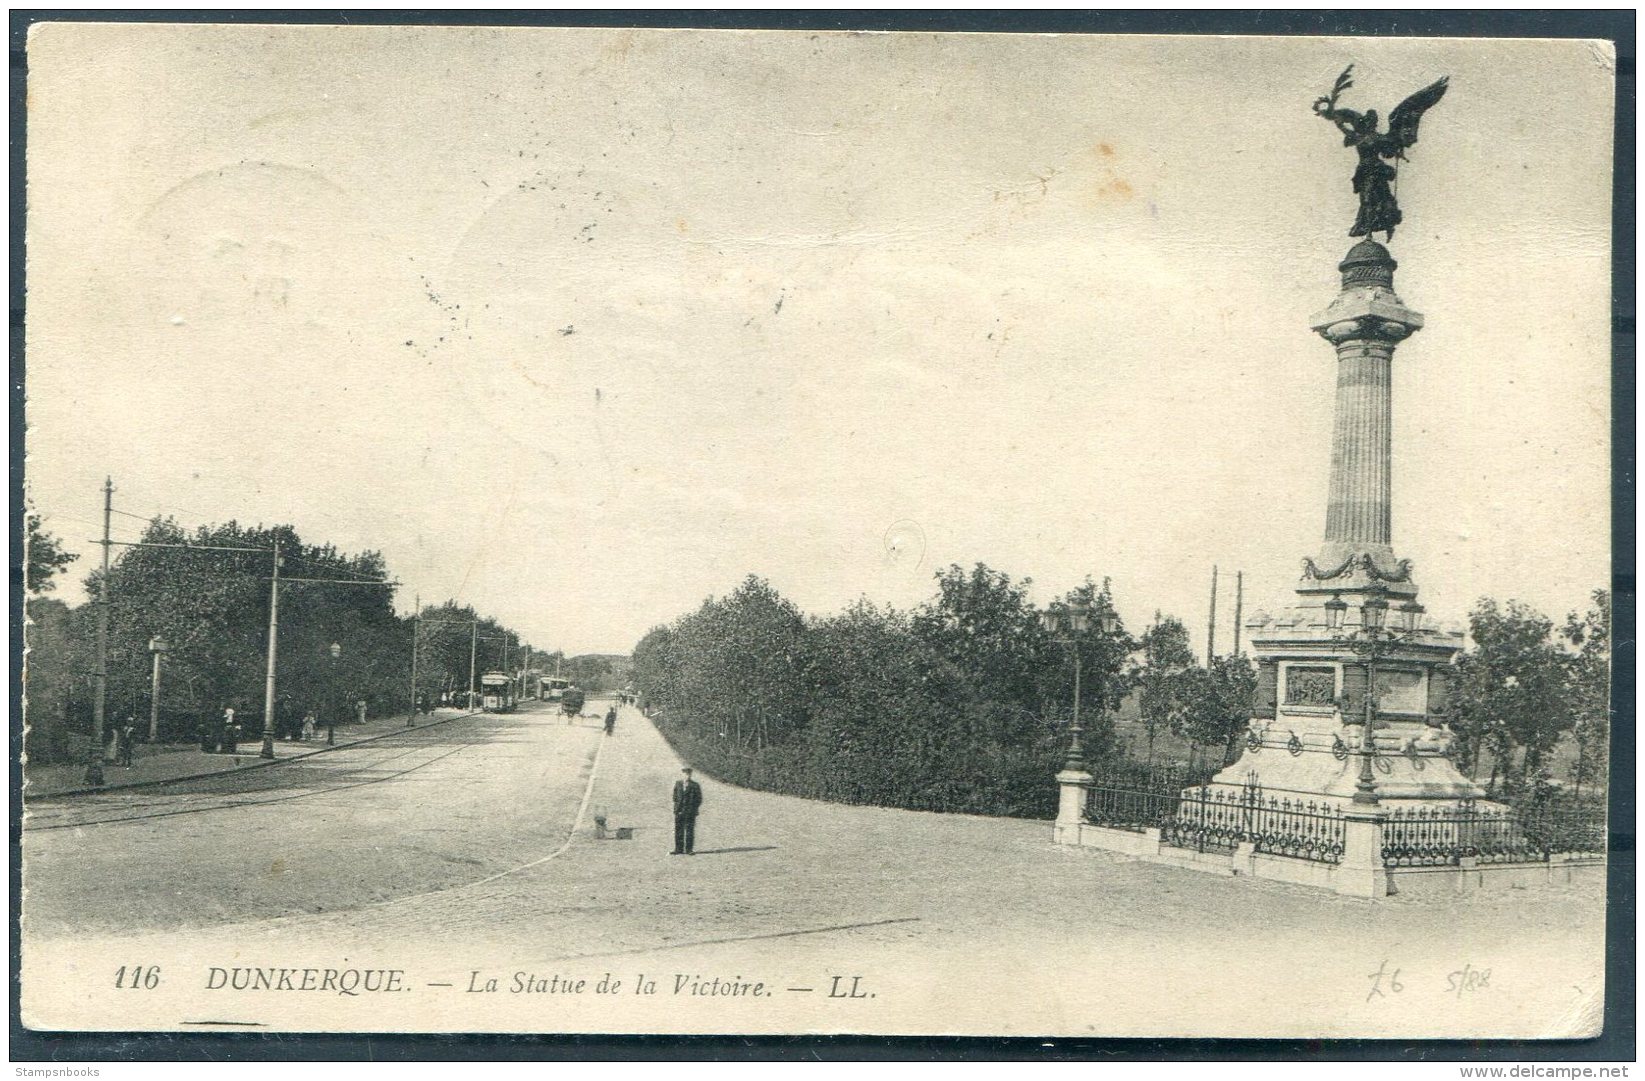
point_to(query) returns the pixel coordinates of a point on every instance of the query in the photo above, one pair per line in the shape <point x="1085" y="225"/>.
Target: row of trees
<point x="206" y="593"/>
<point x="963" y="704"/>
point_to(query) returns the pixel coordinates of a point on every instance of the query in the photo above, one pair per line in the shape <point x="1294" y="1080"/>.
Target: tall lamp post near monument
<point x="1066" y="624"/>
<point x="1371" y="641"/>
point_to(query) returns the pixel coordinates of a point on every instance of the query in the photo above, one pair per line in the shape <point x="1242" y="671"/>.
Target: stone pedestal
<point x="1072" y="786"/>
<point x="1361" y="872"/>
<point x="1305" y="734"/>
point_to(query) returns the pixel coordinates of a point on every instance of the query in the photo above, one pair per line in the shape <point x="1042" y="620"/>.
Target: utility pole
<point x="473" y="646"/>
<point x="94" y="762"/>
<point x="416" y="631"/>
<point x="273" y="645"/>
<point x="1239" y="606"/>
<point x="1211" y="630"/>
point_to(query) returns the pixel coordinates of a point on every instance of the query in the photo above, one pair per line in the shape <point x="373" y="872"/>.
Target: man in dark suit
<point x="688" y="800"/>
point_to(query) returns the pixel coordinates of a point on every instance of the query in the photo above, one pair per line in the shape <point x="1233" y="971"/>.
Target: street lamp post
<point x="157" y="646"/>
<point x="336" y="696"/>
<point x="273" y="649"/>
<point x="1372" y="641"/>
<point x="1073" y="621"/>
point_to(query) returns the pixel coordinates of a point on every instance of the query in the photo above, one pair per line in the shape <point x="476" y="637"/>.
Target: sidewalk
<point x="169" y="762"/>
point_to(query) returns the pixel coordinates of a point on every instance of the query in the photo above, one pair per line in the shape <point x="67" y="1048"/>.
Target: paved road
<point x="451" y="862"/>
<point x="168" y="762"/>
<point x="432" y="808"/>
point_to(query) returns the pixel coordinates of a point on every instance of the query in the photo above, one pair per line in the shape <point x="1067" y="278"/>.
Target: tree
<point x="1212" y="705"/>
<point x="48" y="637"/>
<point x="1588" y="679"/>
<point x="1166" y="655"/>
<point x="43" y="557"/>
<point x="52" y="732"/>
<point x="893" y="719"/>
<point x="982" y="621"/>
<point x="456" y="642"/>
<point x="654" y="668"/>
<point x="1511" y="691"/>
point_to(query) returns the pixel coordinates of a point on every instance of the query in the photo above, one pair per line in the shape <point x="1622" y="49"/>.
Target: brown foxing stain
<point x="1109" y="186"/>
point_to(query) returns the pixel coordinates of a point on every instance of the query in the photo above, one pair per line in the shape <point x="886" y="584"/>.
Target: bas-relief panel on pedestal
<point x="1310" y="686"/>
<point x="1401" y="692"/>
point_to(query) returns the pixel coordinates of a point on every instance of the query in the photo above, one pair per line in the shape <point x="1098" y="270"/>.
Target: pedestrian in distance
<point x="611" y="720"/>
<point x="308" y="726"/>
<point x="688" y="800"/>
<point x="128" y="733"/>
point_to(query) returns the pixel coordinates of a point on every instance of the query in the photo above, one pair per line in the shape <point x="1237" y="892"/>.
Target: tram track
<point x="242" y="783"/>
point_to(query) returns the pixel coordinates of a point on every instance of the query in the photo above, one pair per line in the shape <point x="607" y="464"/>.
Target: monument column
<point x="1365" y="323"/>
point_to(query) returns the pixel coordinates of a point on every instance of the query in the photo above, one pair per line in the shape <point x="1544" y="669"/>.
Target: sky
<point x="583" y="326"/>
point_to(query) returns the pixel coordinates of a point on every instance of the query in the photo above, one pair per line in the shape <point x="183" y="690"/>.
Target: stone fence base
<point x="1350" y="877"/>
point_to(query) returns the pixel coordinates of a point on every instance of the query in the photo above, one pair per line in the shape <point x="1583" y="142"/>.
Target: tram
<point x="497" y="692"/>
<point x="552" y="688"/>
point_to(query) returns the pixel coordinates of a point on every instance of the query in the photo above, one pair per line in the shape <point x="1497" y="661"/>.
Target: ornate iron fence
<point x="1136" y="796"/>
<point x="1218" y="818"/>
<point x="1127" y="807"/>
<point x="1443" y="836"/>
<point x="1310" y="830"/>
<point x="1211" y="819"/>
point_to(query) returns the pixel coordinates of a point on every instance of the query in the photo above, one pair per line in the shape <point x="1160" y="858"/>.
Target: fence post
<point x="1361" y="872"/>
<point x="1072" y="785"/>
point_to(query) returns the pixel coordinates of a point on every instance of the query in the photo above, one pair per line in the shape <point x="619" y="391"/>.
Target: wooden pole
<point x="416" y="631"/>
<point x="1211" y="629"/>
<point x="1239" y="606"/>
<point x="94" y="761"/>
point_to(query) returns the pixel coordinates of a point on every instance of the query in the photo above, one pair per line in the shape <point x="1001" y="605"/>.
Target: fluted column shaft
<point x="1357" y="511"/>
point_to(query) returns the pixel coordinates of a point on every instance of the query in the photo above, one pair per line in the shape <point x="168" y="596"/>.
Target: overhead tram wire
<point x="94" y="774"/>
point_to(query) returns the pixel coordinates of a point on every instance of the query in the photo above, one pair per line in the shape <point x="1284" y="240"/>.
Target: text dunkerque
<point x="336" y="981"/>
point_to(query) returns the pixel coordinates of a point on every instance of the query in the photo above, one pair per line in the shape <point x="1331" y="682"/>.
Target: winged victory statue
<point x="1379" y="151"/>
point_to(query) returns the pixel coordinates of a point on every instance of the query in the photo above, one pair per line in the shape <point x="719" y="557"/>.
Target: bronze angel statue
<point x="1374" y="178"/>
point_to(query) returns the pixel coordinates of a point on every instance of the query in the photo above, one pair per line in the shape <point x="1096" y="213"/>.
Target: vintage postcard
<point x="541" y="530"/>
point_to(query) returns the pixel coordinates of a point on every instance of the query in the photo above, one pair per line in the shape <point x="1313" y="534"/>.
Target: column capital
<point x="1366" y="314"/>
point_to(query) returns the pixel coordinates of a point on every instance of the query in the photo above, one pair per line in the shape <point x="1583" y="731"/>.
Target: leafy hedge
<point x="963" y="705"/>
